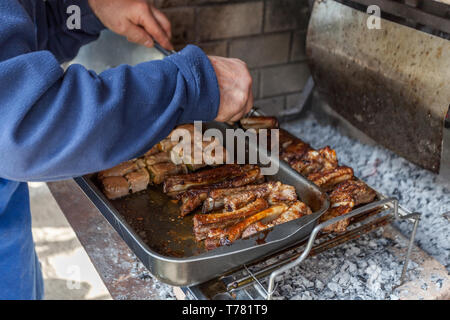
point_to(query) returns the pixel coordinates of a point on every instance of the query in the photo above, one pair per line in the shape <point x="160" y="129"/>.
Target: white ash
<point x="365" y="268"/>
<point x="417" y="189"/>
<point x="164" y="291"/>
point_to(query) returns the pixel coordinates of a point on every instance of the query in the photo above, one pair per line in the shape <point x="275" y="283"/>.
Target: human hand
<point x="235" y="85"/>
<point x="137" y="20"/>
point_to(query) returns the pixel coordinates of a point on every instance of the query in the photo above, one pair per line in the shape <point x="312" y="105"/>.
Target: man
<point x="57" y="125"/>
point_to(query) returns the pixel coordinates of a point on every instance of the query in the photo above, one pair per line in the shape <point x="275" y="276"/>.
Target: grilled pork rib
<point x="296" y="210"/>
<point x="180" y="183"/>
<point x="119" y="170"/>
<point x="344" y="198"/>
<point x="328" y="178"/>
<point x="203" y="223"/>
<point x="259" y="123"/>
<point x="193" y="198"/>
<point x="217" y="237"/>
<point x="138" y="180"/>
<point x="274" y="192"/>
<point x="115" y="187"/>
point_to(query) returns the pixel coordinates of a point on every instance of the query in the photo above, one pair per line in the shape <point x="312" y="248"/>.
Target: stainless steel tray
<point x="196" y="265"/>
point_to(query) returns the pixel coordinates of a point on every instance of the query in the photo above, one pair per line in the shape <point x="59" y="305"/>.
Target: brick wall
<point x="269" y="35"/>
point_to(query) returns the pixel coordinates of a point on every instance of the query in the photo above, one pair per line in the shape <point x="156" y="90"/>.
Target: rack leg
<point x="416" y="218"/>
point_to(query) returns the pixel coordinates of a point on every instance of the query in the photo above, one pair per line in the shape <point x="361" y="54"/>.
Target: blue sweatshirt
<point x="57" y="125"/>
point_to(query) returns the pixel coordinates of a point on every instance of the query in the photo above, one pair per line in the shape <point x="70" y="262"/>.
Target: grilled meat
<point x="201" y="231"/>
<point x="157" y="158"/>
<point x="119" y="170"/>
<point x="203" y="223"/>
<point x="328" y="178"/>
<point x="152" y="151"/>
<point x="228" y="235"/>
<point x="206" y="151"/>
<point x="115" y="187"/>
<point x="138" y="180"/>
<point x="274" y="192"/>
<point x="340" y="226"/>
<point x="313" y="161"/>
<point x="252" y="208"/>
<point x="294" y="151"/>
<point x="344" y="198"/>
<point x="296" y="210"/>
<point x="193" y="198"/>
<point x="180" y="183"/>
<point x="355" y="191"/>
<point x="259" y="123"/>
<point x="215" y="200"/>
<point x="160" y="171"/>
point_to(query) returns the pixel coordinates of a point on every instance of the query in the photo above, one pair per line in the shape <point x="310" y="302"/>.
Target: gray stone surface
<point x="264" y="50"/>
<point x="215" y="48"/>
<point x="183" y="24"/>
<point x="283" y="79"/>
<point x="283" y="15"/>
<point x="271" y="106"/>
<point x="298" y="52"/>
<point x="255" y="85"/>
<point x="67" y="270"/>
<point x="292" y="100"/>
<point x="229" y="20"/>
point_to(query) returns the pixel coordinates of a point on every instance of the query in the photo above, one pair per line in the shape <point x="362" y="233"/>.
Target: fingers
<point x="163" y="21"/>
<point x="138" y="35"/>
<point x="148" y="21"/>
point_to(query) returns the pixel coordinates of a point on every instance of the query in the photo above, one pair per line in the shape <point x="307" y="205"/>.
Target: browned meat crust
<point x="340" y="226"/>
<point x="193" y="198"/>
<point x="201" y="231"/>
<point x="259" y="123"/>
<point x="157" y="158"/>
<point x="313" y="161"/>
<point x="119" y="170"/>
<point x="138" y="180"/>
<point x="228" y="235"/>
<point x="215" y="199"/>
<point x="355" y="191"/>
<point x="344" y="198"/>
<point x="160" y="171"/>
<point x="252" y="208"/>
<point x="115" y="187"/>
<point x="295" y="150"/>
<point x="296" y="210"/>
<point x="273" y="192"/>
<point x="152" y="151"/>
<point x="180" y="183"/>
<point x="329" y="178"/>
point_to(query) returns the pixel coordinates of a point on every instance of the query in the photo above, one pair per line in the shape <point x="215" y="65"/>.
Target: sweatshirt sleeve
<point x="51" y="19"/>
<point x="56" y="125"/>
